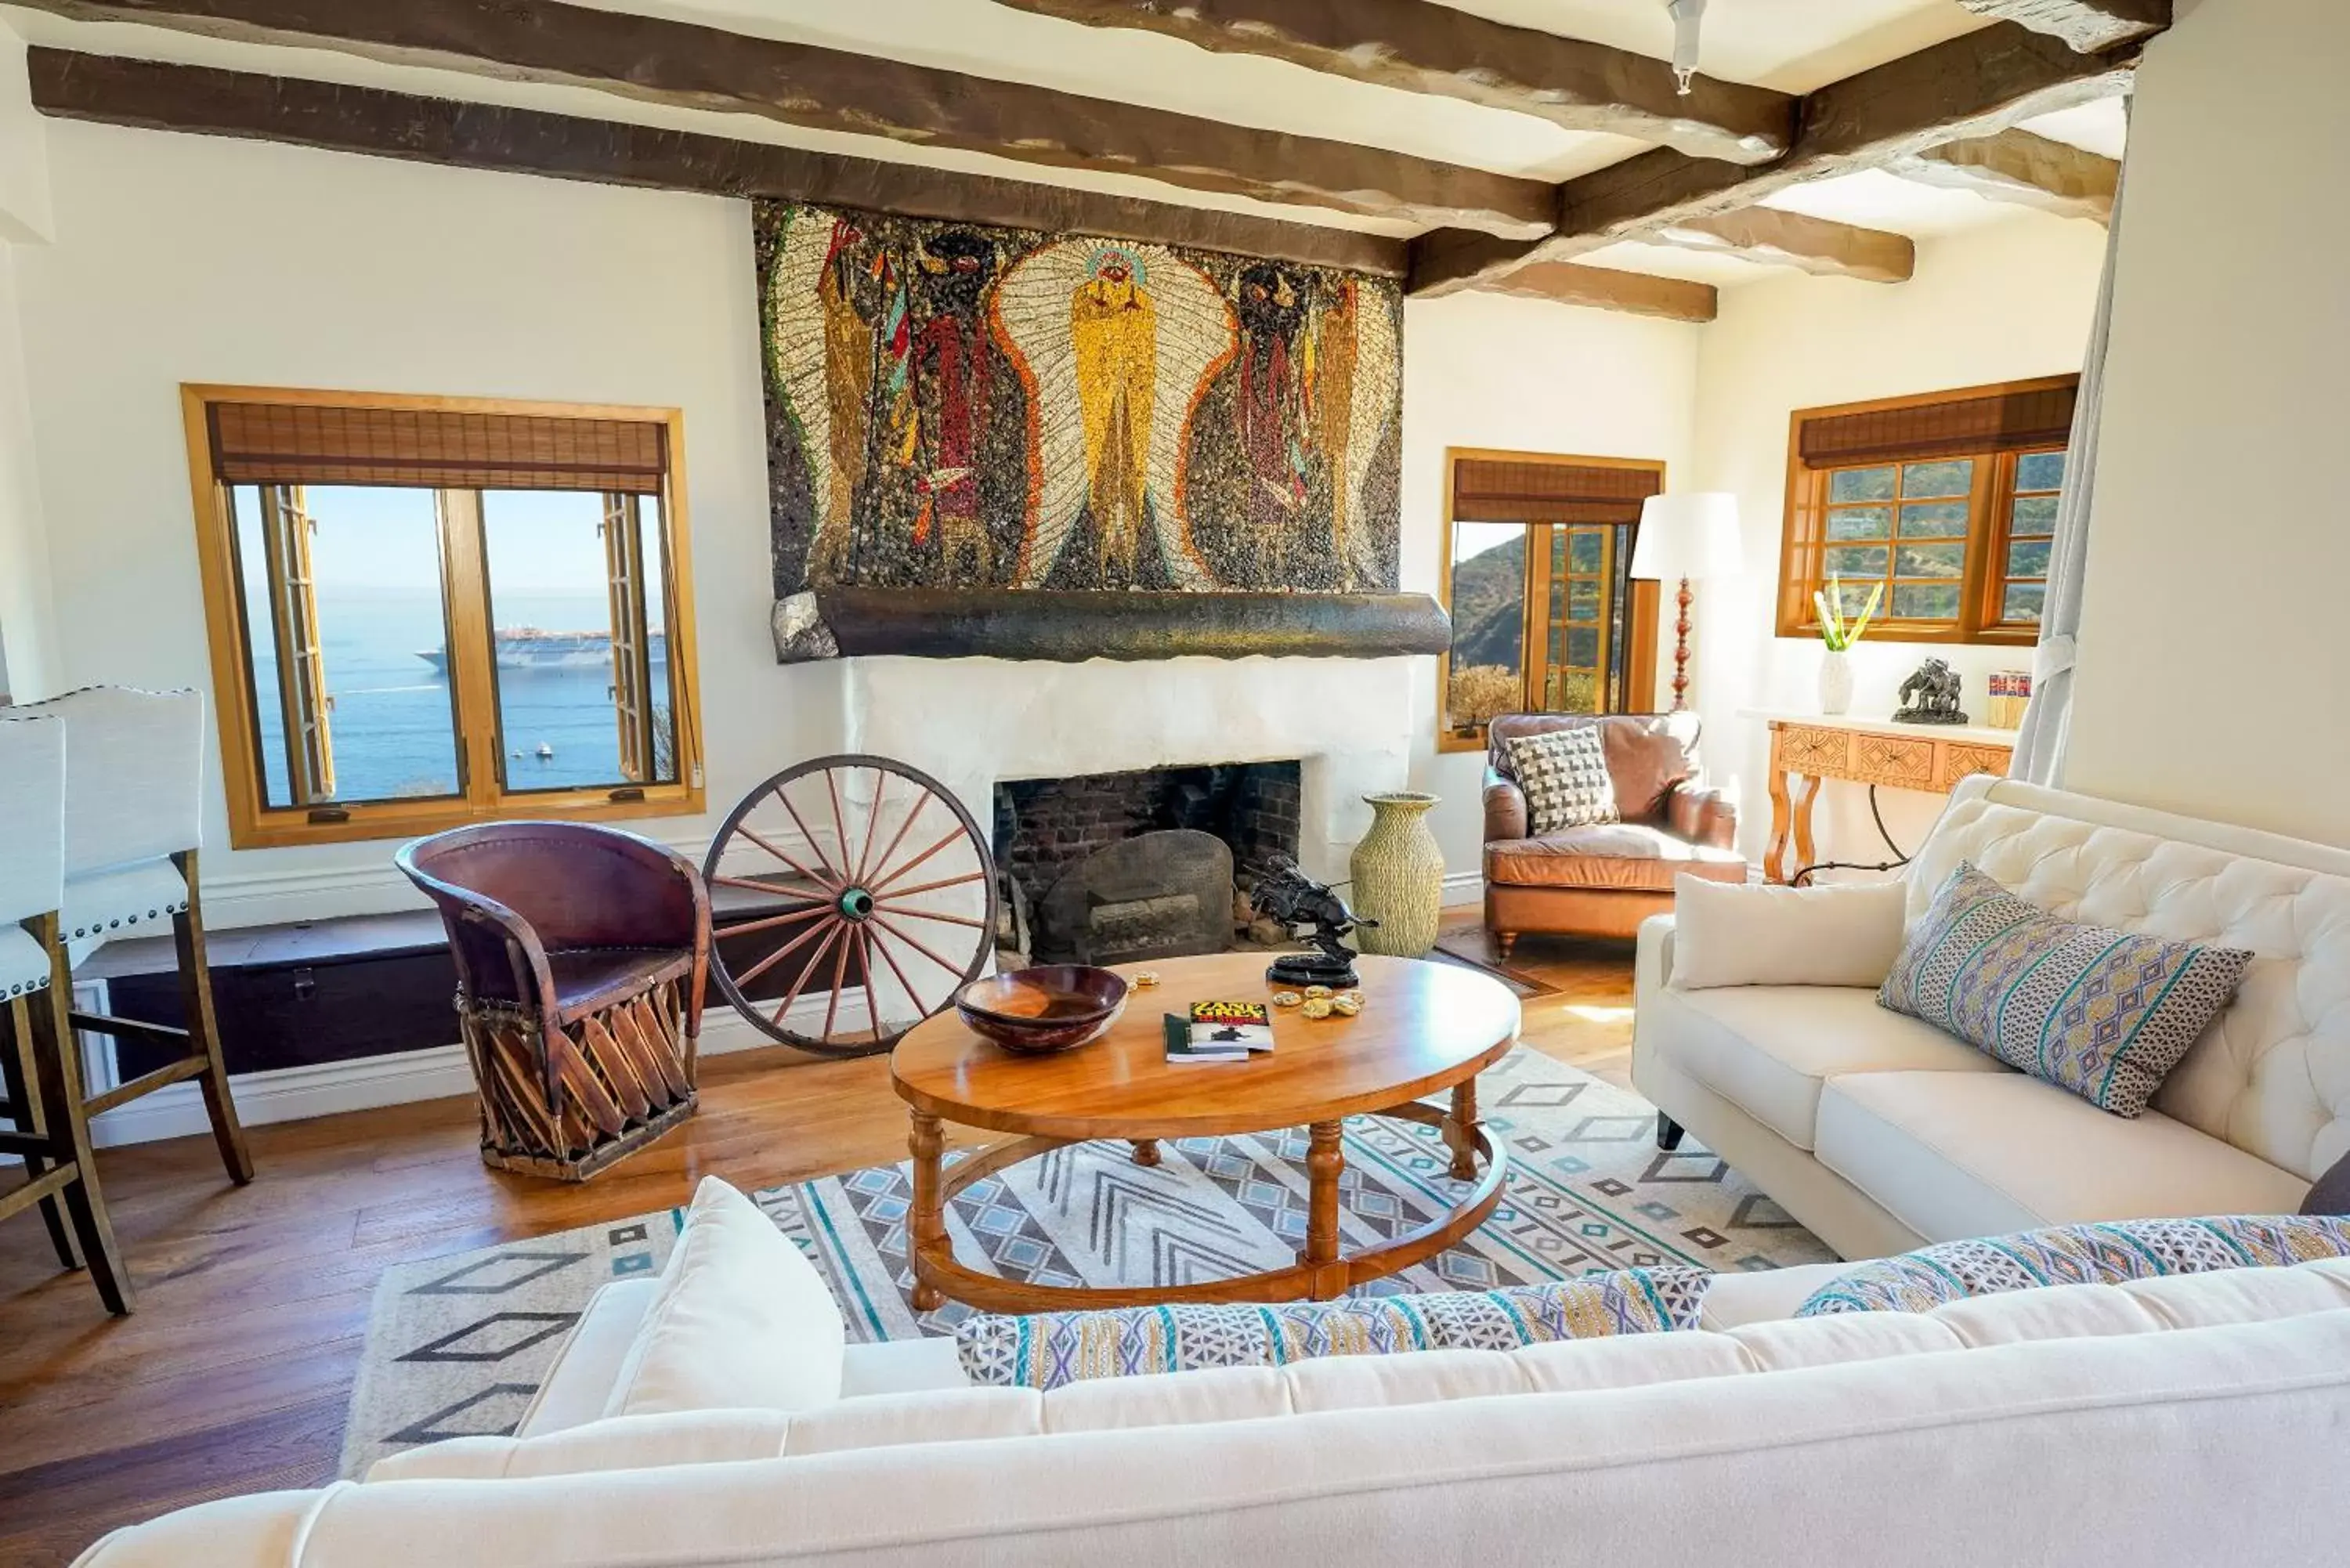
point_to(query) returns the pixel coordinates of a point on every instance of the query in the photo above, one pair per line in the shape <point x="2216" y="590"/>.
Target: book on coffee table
<point x="1182" y="1050"/>
<point x="1248" y="1024"/>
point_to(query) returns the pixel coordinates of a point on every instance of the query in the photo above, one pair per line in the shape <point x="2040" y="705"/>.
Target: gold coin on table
<point x="1145" y="978"/>
<point x="1286" y="999"/>
<point x="1348" y="1005"/>
<point x="1317" y="991"/>
<point x="1316" y="1007"/>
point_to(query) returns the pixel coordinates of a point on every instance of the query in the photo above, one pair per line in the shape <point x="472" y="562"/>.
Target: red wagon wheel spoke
<point x="840" y="927"/>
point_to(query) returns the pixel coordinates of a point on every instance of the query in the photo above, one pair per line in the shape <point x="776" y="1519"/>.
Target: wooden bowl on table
<point x="1037" y="1011"/>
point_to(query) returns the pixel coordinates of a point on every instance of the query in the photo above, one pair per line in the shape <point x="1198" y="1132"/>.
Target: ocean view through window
<point x="396" y="653"/>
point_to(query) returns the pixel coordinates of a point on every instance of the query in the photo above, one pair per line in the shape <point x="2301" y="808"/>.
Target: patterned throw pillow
<point x="1048" y="1350"/>
<point x="2103" y="1013"/>
<point x="1563" y="773"/>
<point x="2078" y="1255"/>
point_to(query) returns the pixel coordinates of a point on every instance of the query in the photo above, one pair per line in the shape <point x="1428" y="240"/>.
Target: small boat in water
<point x="528" y="648"/>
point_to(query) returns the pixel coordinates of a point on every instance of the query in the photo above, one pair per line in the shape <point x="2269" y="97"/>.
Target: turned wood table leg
<point x="927" y="1226"/>
<point x="1145" y="1150"/>
<point x="1325" y="1160"/>
<point x="1774" y="866"/>
<point x="1460" y="1130"/>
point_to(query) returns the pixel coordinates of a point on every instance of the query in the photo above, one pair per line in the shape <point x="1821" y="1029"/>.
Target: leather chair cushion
<point x="1648" y="753"/>
<point x="1631" y="856"/>
<point x="588" y="979"/>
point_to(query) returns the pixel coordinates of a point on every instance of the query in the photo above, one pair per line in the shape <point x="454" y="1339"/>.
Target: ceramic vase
<point x="1835" y="682"/>
<point x="1399" y="876"/>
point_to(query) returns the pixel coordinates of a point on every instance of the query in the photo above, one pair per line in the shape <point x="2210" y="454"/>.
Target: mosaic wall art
<point x="952" y="406"/>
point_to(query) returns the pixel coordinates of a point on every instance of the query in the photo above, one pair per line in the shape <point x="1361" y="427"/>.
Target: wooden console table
<point x="1811" y="748"/>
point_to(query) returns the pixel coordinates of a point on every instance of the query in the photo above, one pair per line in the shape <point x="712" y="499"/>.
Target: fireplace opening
<point x="1125" y="867"/>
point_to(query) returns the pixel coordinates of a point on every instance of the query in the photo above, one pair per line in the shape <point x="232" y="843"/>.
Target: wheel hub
<point x="856" y="904"/>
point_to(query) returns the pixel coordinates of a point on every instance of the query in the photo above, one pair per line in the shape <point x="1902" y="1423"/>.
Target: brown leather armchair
<point x="1603" y="881"/>
<point x="581" y="955"/>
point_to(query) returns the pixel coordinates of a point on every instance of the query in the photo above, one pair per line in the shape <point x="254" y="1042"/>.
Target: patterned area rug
<point x="457" y="1346"/>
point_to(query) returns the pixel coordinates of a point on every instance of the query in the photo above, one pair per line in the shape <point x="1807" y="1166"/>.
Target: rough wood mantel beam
<point x="1974" y="86"/>
<point x="1421" y="46"/>
<point x="199" y="99"/>
<point x="1816" y="246"/>
<point x="2017" y="166"/>
<point x="1606" y="288"/>
<point x="2087" y="25"/>
<point x="684" y="65"/>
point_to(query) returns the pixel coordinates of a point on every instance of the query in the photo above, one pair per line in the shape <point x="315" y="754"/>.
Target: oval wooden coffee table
<point x="1424" y="1027"/>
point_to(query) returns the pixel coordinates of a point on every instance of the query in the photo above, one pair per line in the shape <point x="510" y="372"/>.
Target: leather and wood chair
<point x="40" y="1070"/>
<point x="581" y="957"/>
<point x="1604" y="881"/>
<point x="134" y="783"/>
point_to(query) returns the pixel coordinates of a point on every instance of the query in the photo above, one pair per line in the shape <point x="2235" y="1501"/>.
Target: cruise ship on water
<point x="529" y="649"/>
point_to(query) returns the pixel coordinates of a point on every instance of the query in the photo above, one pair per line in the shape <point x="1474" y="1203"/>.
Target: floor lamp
<point x="1688" y="536"/>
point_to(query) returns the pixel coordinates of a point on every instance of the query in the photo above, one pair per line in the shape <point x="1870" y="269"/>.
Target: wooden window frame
<point x="253" y="823"/>
<point x="1640" y="633"/>
<point x="1991" y="510"/>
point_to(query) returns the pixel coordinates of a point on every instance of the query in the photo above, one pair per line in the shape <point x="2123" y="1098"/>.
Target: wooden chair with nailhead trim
<point x="134" y="783"/>
<point x="40" y="1075"/>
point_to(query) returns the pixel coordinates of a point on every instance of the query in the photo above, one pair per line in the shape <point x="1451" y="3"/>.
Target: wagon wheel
<point x="851" y="898"/>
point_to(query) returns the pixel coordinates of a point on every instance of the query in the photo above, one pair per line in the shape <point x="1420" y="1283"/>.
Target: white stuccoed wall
<point x="1490" y="370"/>
<point x="2212" y="675"/>
<point x="2002" y="302"/>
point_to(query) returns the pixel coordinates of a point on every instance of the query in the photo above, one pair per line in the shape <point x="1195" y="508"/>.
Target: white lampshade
<point x="1691" y="534"/>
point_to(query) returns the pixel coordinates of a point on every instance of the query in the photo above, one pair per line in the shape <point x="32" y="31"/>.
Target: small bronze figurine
<point x="1937" y="687"/>
<point x="1290" y="897"/>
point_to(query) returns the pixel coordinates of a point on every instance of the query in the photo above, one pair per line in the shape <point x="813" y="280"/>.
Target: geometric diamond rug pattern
<point x="457" y="1345"/>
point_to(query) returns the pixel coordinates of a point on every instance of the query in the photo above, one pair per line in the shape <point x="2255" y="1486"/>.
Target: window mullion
<point x="472" y="652"/>
<point x="1994" y="481"/>
<point x="1534" y="659"/>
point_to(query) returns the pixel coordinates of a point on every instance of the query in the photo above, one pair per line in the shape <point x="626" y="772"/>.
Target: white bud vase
<point x="1835" y="682"/>
<point x="1399" y="876"/>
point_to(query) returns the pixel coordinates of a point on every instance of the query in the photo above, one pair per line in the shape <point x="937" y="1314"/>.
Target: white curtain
<point x="2047" y="722"/>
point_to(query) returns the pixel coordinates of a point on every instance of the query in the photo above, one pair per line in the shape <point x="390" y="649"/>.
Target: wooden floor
<point x="235" y="1373"/>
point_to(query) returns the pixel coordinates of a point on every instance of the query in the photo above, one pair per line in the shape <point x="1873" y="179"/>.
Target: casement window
<point x="428" y="611"/>
<point x="1545" y="619"/>
<point x="1944" y="504"/>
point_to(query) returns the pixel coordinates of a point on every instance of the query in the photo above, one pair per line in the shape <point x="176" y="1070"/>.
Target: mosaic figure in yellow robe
<point x="1116" y="345"/>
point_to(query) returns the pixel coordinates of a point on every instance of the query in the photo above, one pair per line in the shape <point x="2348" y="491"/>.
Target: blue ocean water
<point x="393" y="725"/>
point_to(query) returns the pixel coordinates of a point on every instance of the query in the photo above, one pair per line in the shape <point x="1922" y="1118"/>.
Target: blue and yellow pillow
<point x="2100" y="1254"/>
<point x="2104" y="1013"/>
<point x="1048" y="1350"/>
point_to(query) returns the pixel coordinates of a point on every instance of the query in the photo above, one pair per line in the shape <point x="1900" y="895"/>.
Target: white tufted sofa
<point x="1880" y="1133"/>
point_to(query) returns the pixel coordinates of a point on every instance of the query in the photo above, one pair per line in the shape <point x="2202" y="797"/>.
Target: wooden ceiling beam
<point x="1606" y="288"/>
<point x="1974" y="86"/>
<point x="2087" y="26"/>
<point x="369" y="121"/>
<point x="1816" y="246"/>
<point x="683" y="65"/>
<point x="2017" y="166"/>
<point x="1421" y="46"/>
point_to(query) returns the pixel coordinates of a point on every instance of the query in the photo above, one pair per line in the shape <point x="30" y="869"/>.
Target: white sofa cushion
<point x="1754" y="933"/>
<point x="1767" y="1049"/>
<point x="2272" y="1075"/>
<point x="742" y="1321"/>
<point x="1983" y="1154"/>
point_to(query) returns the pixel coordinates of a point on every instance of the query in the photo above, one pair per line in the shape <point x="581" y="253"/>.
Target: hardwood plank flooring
<point x="235" y="1373"/>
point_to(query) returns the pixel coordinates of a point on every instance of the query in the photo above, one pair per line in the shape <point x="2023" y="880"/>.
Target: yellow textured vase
<point x="1399" y="876"/>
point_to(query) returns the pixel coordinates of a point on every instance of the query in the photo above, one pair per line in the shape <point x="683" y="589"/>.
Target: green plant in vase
<point x="1839" y="635"/>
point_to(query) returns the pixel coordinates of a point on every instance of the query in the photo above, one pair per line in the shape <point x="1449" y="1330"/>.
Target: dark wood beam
<point x="153" y="95"/>
<point x="1421" y="46"/>
<point x="1816" y="246"/>
<point x="1974" y="86"/>
<point x="2087" y="24"/>
<point x="1606" y="288"/>
<point x="680" y="64"/>
<point x="2017" y="166"/>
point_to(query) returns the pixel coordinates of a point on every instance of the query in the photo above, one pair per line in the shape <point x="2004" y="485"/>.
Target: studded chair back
<point x="32" y="844"/>
<point x="134" y="783"/>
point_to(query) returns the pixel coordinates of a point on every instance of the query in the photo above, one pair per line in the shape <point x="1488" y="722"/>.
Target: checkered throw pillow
<point x="1563" y="773"/>
<point x="1050" y="1350"/>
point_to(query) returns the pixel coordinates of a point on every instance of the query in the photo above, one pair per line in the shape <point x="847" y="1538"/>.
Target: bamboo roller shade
<point x="1499" y="489"/>
<point x="2002" y="422"/>
<point x="294" y="443"/>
